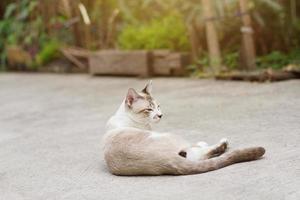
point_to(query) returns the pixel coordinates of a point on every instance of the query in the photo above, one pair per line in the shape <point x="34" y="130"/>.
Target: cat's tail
<point x="185" y="167"/>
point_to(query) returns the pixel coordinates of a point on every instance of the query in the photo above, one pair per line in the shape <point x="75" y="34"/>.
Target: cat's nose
<point x="160" y="116"/>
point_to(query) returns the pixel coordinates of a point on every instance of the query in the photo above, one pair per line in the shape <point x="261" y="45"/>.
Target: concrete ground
<point x="51" y="127"/>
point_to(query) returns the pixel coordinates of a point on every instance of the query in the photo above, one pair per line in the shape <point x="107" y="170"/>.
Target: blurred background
<point x="215" y="35"/>
<point x="54" y="109"/>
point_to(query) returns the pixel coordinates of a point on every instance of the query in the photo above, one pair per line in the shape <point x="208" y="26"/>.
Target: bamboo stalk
<point x="212" y="37"/>
<point x="111" y="28"/>
<point x="194" y="40"/>
<point x="86" y="25"/>
<point x="67" y="8"/>
<point x="247" y="32"/>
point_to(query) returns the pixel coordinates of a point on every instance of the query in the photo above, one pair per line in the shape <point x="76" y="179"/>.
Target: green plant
<point x="48" y="52"/>
<point x="14" y="28"/>
<point x="275" y="60"/>
<point x="166" y="33"/>
<point x="278" y="60"/>
<point x="24" y="26"/>
<point x="294" y="57"/>
<point x="231" y="60"/>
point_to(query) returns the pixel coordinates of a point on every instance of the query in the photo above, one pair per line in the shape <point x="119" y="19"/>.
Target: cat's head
<point x="141" y="106"/>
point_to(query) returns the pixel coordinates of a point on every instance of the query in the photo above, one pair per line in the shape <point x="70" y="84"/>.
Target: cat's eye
<point x="148" y="110"/>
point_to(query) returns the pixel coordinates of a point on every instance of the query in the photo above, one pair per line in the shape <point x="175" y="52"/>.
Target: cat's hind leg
<point x="217" y="149"/>
<point x="202" y="150"/>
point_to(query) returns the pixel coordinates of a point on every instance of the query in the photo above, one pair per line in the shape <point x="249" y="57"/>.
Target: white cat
<point x="132" y="148"/>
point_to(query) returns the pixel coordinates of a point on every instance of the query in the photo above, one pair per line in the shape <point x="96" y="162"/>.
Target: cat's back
<point x="125" y="135"/>
<point x="126" y="138"/>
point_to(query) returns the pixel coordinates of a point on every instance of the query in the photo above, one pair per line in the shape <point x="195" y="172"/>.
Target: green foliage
<point x="23" y="26"/>
<point x="153" y="24"/>
<point x="49" y="51"/>
<point x="166" y="33"/>
<point x="275" y="60"/>
<point x="231" y="60"/>
<point x="14" y="28"/>
<point x="278" y="60"/>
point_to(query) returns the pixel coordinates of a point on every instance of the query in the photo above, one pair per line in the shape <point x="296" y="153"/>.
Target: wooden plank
<point x="78" y="52"/>
<point x="169" y="63"/>
<point x="116" y="62"/>
<point x="259" y="76"/>
<point x="73" y="59"/>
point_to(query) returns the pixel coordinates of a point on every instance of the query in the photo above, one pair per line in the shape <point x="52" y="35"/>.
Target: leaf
<point x="26" y="10"/>
<point x="9" y="10"/>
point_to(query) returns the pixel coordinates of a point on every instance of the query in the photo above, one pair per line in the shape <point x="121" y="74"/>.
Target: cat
<point x="132" y="148"/>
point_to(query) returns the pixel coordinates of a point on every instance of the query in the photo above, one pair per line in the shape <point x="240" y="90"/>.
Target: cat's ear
<point x="148" y="88"/>
<point x="131" y="97"/>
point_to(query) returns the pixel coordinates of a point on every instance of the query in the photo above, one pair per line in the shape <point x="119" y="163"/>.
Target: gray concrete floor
<point x="51" y="127"/>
